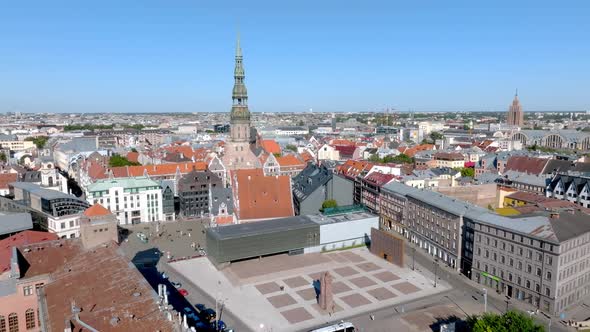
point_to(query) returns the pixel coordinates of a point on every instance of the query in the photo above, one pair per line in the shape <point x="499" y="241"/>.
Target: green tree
<point x="467" y="172"/>
<point x="511" y="321"/>
<point x="39" y="141"/>
<point x="133" y="150"/>
<point x="375" y="158"/>
<point x="329" y="203"/>
<point x="401" y="158"/>
<point x="291" y="147"/>
<point x="117" y="161"/>
<point x="435" y="135"/>
<point x="3" y="157"/>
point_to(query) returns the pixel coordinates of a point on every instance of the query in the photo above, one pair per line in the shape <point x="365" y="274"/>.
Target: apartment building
<point x="539" y="258"/>
<point x="17" y="145"/>
<point x="573" y="187"/>
<point x="133" y="200"/>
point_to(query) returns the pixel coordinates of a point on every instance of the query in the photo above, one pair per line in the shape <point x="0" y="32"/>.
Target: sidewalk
<point x="495" y="301"/>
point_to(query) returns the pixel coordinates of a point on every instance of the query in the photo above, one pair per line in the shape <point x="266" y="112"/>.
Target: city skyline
<point x="330" y="59"/>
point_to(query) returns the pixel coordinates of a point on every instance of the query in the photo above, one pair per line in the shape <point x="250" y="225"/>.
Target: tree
<point x="329" y="203"/>
<point x="467" y="172"/>
<point x="511" y="321"/>
<point x="117" y="161"/>
<point x="401" y="158"/>
<point x="291" y="147"/>
<point x="3" y="157"/>
<point x="133" y="150"/>
<point x="436" y="135"/>
<point x="39" y="141"/>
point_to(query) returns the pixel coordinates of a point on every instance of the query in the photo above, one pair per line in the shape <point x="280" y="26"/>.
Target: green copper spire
<point x="240" y="93"/>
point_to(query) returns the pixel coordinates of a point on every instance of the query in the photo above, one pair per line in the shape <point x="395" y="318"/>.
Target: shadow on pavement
<point x="459" y="324"/>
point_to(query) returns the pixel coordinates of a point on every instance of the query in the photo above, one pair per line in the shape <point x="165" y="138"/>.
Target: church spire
<point x="240" y="115"/>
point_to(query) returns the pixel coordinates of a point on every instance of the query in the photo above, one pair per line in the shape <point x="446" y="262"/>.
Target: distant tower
<point x="240" y="115"/>
<point x="515" y="114"/>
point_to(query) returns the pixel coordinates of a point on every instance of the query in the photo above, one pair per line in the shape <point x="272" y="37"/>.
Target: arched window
<point x="13" y="322"/>
<point x="30" y="318"/>
<point x="2" y="324"/>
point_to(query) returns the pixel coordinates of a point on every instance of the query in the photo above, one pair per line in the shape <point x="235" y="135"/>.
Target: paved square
<point x="340" y="287"/>
<point x="283" y="300"/>
<point x="253" y="287"/>
<point x="362" y="282"/>
<point x="355" y="300"/>
<point x="406" y="287"/>
<point x="296" y="282"/>
<point x="346" y="271"/>
<point x="368" y="267"/>
<point x="269" y="287"/>
<point x="352" y="257"/>
<point x="386" y="276"/>
<point x="381" y="293"/>
<point x="307" y="294"/>
<point x="296" y="315"/>
<point x="338" y="258"/>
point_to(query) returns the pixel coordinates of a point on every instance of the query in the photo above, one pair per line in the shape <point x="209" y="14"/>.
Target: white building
<point x="132" y="200"/>
<point x="344" y="230"/>
<point x="328" y="152"/>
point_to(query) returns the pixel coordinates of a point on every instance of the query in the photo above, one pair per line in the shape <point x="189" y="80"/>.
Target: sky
<point x="329" y="56"/>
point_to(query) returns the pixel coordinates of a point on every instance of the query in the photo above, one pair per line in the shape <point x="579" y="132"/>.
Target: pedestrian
<point x="372" y="317"/>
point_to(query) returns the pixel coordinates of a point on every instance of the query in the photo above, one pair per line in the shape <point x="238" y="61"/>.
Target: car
<point x="183" y="292"/>
<point x="208" y="315"/>
<point x="187" y="310"/>
<point x="200" y="307"/>
<point x="176" y="284"/>
<point x="220" y="325"/>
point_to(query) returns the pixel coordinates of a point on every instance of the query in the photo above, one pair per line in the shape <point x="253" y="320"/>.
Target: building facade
<point x="132" y="200"/>
<point x="194" y="192"/>
<point x="515" y="116"/>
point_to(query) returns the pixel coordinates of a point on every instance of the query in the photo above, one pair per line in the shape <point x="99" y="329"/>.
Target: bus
<point x="339" y="327"/>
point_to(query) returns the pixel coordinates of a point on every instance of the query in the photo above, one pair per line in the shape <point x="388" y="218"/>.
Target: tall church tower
<point x="515" y="115"/>
<point x="237" y="153"/>
<point x="240" y="115"/>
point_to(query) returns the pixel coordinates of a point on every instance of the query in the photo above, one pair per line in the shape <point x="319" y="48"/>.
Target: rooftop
<point x="39" y="191"/>
<point x="20" y="239"/>
<point x="15" y="222"/>
<point x="261" y="227"/>
<point x="138" y="182"/>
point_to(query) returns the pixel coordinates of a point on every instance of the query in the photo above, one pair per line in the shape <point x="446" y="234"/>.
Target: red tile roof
<point x="307" y="157"/>
<point x="6" y="178"/>
<point x="96" y="210"/>
<point x="342" y="142"/>
<point x="411" y="151"/>
<point x="526" y="164"/>
<point x="111" y="293"/>
<point x="262" y="197"/>
<point x="270" y="146"/>
<point x="133" y="156"/>
<point x="162" y="169"/>
<point x="17" y="240"/>
<point x="353" y="168"/>
<point x="346" y="151"/>
<point x="448" y="156"/>
<point x="290" y="161"/>
<point x="379" y="179"/>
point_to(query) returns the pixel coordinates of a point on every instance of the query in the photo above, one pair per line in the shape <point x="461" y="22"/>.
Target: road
<point x="196" y="295"/>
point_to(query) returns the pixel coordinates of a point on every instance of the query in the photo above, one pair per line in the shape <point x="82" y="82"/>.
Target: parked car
<point x="176" y="284"/>
<point x="183" y="292"/>
<point x="200" y="307"/>
<point x="208" y="315"/>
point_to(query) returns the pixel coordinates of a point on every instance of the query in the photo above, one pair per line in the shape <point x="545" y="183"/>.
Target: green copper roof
<point x="127" y="183"/>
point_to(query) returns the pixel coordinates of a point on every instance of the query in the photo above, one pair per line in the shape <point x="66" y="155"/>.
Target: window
<point x="529" y="268"/>
<point x="13" y="322"/>
<point x="28" y="290"/>
<point x="63" y="225"/>
<point x="547" y="291"/>
<point x="528" y="284"/>
<point x="548" y="275"/>
<point x="2" y="324"/>
<point x="30" y="319"/>
<point x="538" y="272"/>
<point x="520" y="265"/>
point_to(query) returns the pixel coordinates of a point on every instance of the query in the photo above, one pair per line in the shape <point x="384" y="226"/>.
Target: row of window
<point x="12" y="326"/>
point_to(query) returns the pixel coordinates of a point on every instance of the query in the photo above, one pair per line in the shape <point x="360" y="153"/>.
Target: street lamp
<point x="413" y="258"/>
<point x="435" y="271"/>
<point x="485" y="300"/>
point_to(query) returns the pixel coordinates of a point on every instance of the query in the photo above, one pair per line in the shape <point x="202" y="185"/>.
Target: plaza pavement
<point x="277" y="292"/>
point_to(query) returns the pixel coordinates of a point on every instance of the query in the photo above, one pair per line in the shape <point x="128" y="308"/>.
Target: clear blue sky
<point x="161" y="56"/>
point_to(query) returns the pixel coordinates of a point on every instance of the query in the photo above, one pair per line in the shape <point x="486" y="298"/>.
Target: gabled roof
<point x="379" y="179"/>
<point x="270" y="146"/>
<point x="448" y="156"/>
<point x="290" y="161"/>
<point x="309" y="179"/>
<point x="133" y="156"/>
<point x="157" y="170"/>
<point x="525" y="164"/>
<point x="262" y="197"/>
<point x="346" y="151"/>
<point x="96" y="210"/>
<point x="354" y="168"/>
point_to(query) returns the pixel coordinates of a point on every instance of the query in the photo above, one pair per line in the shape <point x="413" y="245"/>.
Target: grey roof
<point x="570" y="225"/>
<point x="344" y="217"/>
<point x="261" y="227"/>
<point x="532" y="179"/>
<point x="80" y="144"/>
<point x="15" y="222"/>
<point x="486" y="178"/>
<point x="31" y="176"/>
<point x="40" y="191"/>
<point x="309" y="179"/>
<point x="7" y="137"/>
<point x="221" y="195"/>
